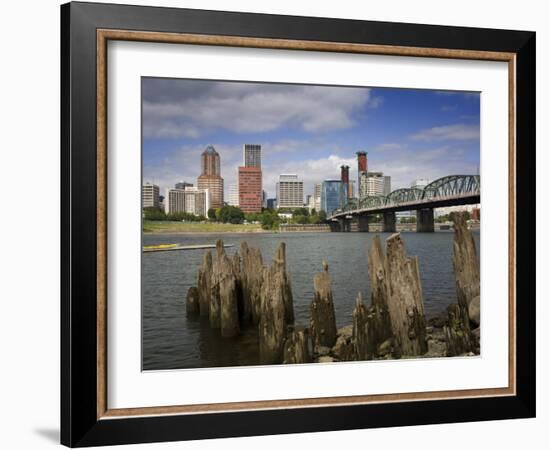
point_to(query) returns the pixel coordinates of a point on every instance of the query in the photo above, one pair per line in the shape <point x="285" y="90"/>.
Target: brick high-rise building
<point x="250" y="189"/>
<point x="210" y="177"/>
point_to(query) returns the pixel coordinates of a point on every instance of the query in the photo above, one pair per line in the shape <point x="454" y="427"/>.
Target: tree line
<point x="268" y="218"/>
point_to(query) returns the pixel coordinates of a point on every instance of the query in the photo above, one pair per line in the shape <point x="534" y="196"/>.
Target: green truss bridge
<point x="451" y="190"/>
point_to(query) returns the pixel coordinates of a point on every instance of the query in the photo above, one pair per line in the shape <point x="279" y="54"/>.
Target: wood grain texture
<point x="103" y="35"/>
<point x="101" y="190"/>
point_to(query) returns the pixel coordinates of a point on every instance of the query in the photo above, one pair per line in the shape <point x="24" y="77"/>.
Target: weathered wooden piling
<point x="458" y="334"/>
<point x="204" y="284"/>
<point x="404" y="299"/>
<point x="465" y="263"/>
<point x="343" y="349"/>
<point x="279" y="264"/>
<point x="360" y="342"/>
<point x="380" y="328"/>
<point x="192" y="305"/>
<point x="217" y="269"/>
<point x="272" y="325"/>
<point x="323" y="319"/>
<point x="296" y="348"/>
<point x="251" y="279"/>
<point x="224" y="311"/>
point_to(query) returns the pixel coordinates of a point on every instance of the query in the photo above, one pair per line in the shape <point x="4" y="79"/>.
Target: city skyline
<point x="307" y="130"/>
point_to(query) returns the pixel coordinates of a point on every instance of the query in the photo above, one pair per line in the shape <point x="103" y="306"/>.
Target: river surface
<point x="173" y="341"/>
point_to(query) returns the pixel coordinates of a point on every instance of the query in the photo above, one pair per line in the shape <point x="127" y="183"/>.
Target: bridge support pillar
<point x="389" y="222"/>
<point x="345" y="224"/>
<point x="363" y="224"/>
<point x="425" y="220"/>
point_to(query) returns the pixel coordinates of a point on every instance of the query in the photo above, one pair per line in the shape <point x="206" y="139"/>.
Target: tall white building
<point x="191" y="200"/>
<point x="150" y="195"/>
<point x="252" y="155"/>
<point x="234" y="195"/>
<point x="374" y="184"/>
<point x="317" y="197"/>
<point x="290" y="191"/>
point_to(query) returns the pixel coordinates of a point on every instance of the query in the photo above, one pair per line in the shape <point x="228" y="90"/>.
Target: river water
<point x="173" y="341"/>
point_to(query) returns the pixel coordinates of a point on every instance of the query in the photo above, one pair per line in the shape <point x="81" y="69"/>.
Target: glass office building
<point x="333" y="195"/>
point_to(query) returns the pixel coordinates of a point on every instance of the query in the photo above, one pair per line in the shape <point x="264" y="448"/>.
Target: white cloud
<point x="455" y="132"/>
<point x="249" y="107"/>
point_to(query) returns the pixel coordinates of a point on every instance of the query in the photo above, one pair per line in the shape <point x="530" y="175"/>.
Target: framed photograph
<point x="278" y="224"/>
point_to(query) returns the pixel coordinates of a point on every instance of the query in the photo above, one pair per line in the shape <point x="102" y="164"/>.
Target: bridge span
<point x="452" y="190"/>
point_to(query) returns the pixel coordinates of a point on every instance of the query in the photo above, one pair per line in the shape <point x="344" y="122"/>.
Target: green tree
<point x="300" y="212"/>
<point x="152" y="213"/>
<point x="230" y="214"/>
<point x="212" y="214"/>
<point x="322" y="216"/>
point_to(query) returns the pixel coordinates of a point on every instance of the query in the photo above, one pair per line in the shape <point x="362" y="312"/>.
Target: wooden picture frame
<point x="86" y="418"/>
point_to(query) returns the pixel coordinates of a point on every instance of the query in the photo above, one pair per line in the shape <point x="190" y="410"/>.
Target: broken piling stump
<point x="192" y="306"/>
<point x="459" y="337"/>
<point x="251" y="281"/>
<point x="279" y="264"/>
<point x="404" y="299"/>
<point x="229" y="312"/>
<point x="466" y="265"/>
<point x="204" y="284"/>
<point x="380" y="328"/>
<point x="360" y="342"/>
<point x="323" y="319"/>
<point x="272" y="325"/>
<point x="217" y="269"/>
<point x="296" y="348"/>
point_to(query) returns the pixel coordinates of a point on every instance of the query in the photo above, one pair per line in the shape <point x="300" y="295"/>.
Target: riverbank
<point x="161" y="227"/>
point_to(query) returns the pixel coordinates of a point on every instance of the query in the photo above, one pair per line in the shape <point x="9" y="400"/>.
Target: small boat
<point x="172" y="247"/>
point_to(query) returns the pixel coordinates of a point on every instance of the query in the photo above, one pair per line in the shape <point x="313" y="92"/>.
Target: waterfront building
<point x="317" y="197"/>
<point x="264" y="199"/>
<point x="344" y="177"/>
<point x="210" y="178"/>
<point x="252" y="155"/>
<point x="460" y="208"/>
<point x="420" y="183"/>
<point x="362" y="167"/>
<point x="191" y="200"/>
<point x="250" y="189"/>
<point x="290" y="191"/>
<point x="174" y="201"/>
<point x="233" y="195"/>
<point x="183" y="185"/>
<point x="374" y="184"/>
<point x="271" y="203"/>
<point x="150" y="196"/>
<point x="333" y="195"/>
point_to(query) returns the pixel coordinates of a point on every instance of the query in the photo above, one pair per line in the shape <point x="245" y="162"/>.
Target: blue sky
<point x="308" y="130"/>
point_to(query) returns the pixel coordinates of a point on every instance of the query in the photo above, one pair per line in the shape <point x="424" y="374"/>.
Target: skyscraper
<point x="250" y="189"/>
<point x="290" y="191"/>
<point x="362" y="167"/>
<point x="344" y="176"/>
<point x="252" y="155"/>
<point x="333" y="195"/>
<point x="210" y="177"/>
<point x="250" y="179"/>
